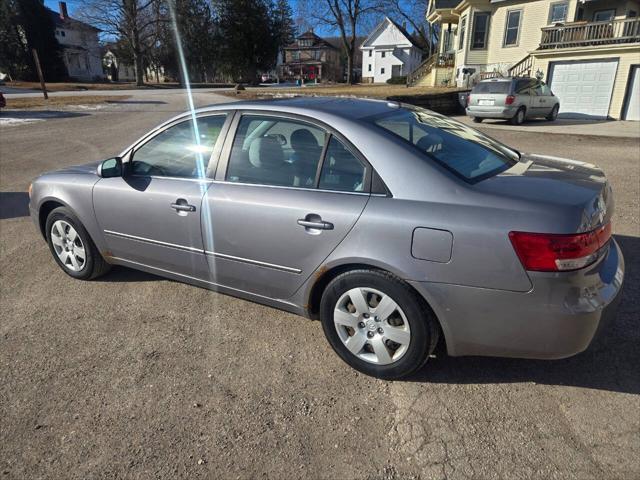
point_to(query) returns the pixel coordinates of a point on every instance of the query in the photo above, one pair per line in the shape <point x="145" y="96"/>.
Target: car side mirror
<point x="111" y="167"/>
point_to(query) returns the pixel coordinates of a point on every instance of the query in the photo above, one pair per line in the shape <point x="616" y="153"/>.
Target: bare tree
<point x="134" y="22"/>
<point x="344" y="15"/>
<point x="414" y="14"/>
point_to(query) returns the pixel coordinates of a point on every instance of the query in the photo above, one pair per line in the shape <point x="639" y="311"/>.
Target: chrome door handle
<point x="181" y="205"/>
<point x="319" y="225"/>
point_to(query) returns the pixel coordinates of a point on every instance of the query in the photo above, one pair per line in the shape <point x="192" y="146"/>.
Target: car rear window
<point x="464" y="151"/>
<point x="492" y="87"/>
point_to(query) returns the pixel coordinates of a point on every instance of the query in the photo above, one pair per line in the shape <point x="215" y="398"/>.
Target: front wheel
<point x="72" y="247"/>
<point x="553" y="114"/>
<point x="377" y="324"/>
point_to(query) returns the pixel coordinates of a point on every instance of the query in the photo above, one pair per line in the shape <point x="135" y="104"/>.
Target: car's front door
<point x="287" y="192"/>
<point x="151" y="215"/>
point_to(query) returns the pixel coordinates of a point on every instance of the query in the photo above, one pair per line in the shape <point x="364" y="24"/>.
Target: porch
<point x="590" y="34"/>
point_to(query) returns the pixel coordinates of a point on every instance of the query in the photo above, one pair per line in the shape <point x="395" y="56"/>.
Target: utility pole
<point x="34" y="52"/>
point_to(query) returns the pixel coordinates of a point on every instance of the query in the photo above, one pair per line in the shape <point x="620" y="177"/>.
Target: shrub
<point x="397" y="80"/>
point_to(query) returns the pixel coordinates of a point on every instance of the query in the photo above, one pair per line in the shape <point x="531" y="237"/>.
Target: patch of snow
<point x="9" y="121"/>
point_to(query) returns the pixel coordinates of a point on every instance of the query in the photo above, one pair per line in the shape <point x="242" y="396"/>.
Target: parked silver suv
<point x="514" y="99"/>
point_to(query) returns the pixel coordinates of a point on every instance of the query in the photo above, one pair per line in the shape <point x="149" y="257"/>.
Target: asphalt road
<point x="133" y="376"/>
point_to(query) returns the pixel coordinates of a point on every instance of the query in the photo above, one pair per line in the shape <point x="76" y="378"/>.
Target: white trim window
<point x="480" y="30"/>
<point x="558" y="12"/>
<point x="512" y="28"/>
<point x="463" y="30"/>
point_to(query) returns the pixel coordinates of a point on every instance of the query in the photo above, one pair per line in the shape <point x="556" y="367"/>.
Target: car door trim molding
<point x="258" y="263"/>
<point x="152" y="241"/>
<point x="305" y="189"/>
<point x="250" y="261"/>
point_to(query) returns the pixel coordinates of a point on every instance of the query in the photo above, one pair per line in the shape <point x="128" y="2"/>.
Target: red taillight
<point x="545" y="252"/>
<point x="510" y="99"/>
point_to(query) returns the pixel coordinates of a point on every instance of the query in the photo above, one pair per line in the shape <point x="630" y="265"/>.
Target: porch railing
<point x="435" y="60"/>
<point x="522" y="68"/>
<point x="591" y="34"/>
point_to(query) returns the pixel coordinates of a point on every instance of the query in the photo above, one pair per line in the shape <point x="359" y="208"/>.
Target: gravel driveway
<point x="133" y="376"/>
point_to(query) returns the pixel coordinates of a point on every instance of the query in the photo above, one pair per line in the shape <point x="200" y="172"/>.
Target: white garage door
<point x="584" y="88"/>
<point x="632" y="111"/>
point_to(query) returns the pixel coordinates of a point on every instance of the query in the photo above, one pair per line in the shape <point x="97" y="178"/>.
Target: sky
<point x="73" y="5"/>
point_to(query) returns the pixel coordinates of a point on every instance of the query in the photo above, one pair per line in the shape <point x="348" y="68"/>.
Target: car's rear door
<point x="151" y="215"/>
<point x="277" y="209"/>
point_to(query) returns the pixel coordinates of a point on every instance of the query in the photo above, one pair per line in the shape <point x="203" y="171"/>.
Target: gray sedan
<point x="394" y="226"/>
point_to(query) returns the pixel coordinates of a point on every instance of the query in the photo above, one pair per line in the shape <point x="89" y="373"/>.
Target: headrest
<point x="265" y="152"/>
<point x="303" y="139"/>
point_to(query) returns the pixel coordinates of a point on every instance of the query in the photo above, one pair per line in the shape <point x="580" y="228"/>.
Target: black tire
<point x="94" y="264"/>
<point x="422" y="323"/>
<point x="518" y="118"/>
<point x="554" y="113"/>
<point x="477" y="119"/>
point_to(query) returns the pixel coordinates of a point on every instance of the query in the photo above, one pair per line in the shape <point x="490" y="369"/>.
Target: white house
<point x="80" y="47"/>
<point x="388" y="51"/>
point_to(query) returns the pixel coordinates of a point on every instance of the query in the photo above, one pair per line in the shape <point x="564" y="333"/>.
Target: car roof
<point x="342" y="107"/>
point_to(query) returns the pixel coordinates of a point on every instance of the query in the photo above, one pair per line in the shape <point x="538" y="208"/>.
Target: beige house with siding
<point x="588" y="51"/>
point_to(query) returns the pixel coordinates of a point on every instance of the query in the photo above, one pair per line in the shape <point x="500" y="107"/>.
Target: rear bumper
<point x="491" y="112"/>
<point x="557" y="318"/>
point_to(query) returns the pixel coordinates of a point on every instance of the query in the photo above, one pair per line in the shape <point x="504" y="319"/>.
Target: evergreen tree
<point x="284" y="27"/>
<point x="13" y="58"/>
<point x="246" y="38"/>
<point x="37" y="29"/>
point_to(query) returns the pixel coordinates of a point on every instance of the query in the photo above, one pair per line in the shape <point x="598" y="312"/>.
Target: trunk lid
<point x="566" y="188"/>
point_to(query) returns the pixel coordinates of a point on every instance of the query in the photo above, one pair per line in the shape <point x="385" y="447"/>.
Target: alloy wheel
<point x="372" y="325"/>
<point x="68" y="246"/>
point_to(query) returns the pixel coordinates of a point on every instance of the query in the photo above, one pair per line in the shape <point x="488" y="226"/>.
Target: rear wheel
<point x="377" y="324"/>
<point x="72" y="247"/>
<point x="554" y="113"/>
<point x="477" y="119"/>
<point x="518" y="118"/>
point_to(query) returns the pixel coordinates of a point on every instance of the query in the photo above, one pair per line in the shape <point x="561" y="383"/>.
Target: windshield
<point x="492" y="87"/>
<point x="461" y="149"/>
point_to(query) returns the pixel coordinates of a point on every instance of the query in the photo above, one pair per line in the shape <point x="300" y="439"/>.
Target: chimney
<point x="63" y="10"/>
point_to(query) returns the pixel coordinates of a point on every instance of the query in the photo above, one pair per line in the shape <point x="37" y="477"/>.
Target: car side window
<point x="270" y="150"/>
<point x="522" y="87"/>
<point x="341" y="170"/>
<point x="545" y="89"/>
<point x="183" y="150"/>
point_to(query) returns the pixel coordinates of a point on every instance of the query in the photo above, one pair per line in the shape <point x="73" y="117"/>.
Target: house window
<point x="463" y="29"/>
<point x="512" y="28"/>
<point x="369" y="69"/>
<point x="604" y="15"/>
<point x="62" y="33"/>
<point x="384" y="54"/>
<point x="370" y="53"/>
<point x="558" y="12"/>
<point x="480" y="30"/>
<point x="382" y="71"/>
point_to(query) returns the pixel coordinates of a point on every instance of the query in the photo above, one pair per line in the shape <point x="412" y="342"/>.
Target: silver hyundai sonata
<point x="393" y="225"/>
